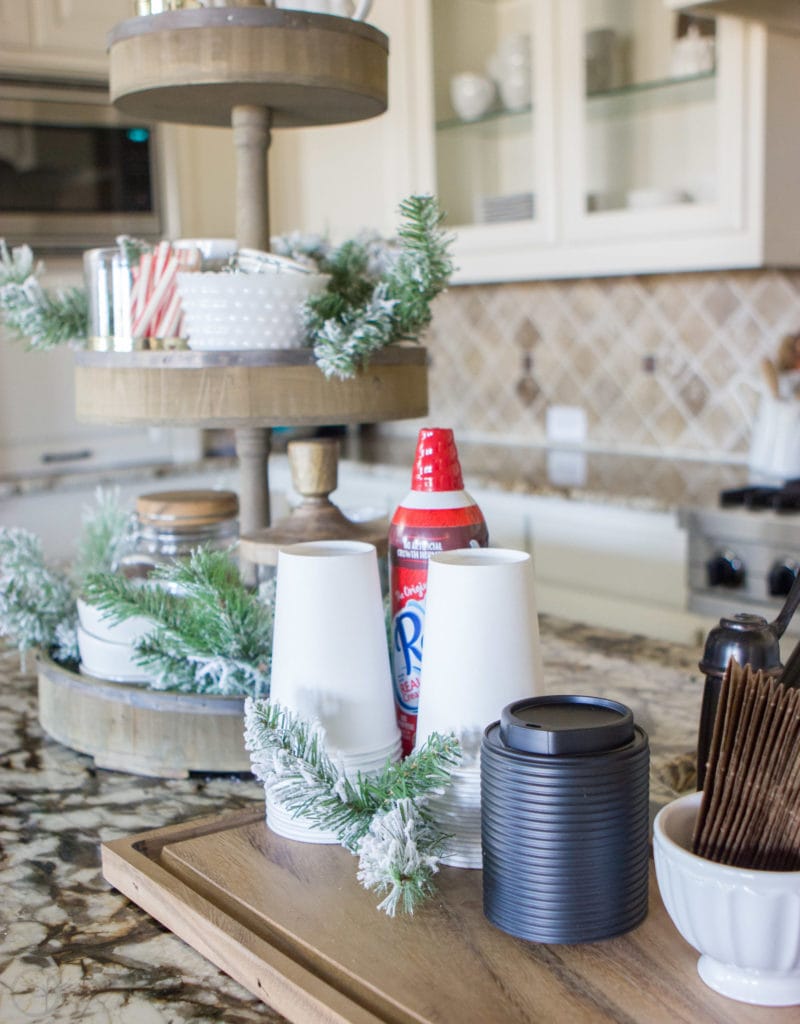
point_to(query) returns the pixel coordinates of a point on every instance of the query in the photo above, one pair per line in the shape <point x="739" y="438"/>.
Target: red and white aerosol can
<point x="436" y="515"/>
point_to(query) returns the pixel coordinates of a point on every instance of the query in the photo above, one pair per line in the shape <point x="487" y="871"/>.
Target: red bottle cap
<point x="436" y="465"/>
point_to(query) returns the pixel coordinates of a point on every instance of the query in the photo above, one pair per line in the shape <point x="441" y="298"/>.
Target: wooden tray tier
<point x="138" y="730"/>
<point x="268" y="388"/>
<point x="290" y="922"/>
<point x="195" y="66"/>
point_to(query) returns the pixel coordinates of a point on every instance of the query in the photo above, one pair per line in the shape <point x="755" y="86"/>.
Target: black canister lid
<point x="566" y="724"/>
<point x="748" y="638"/>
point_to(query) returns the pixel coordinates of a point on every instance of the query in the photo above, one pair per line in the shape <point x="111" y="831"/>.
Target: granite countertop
<point x="639" y="481"/>
<point x="634" y="480"/>
<point x="72" y="949"/>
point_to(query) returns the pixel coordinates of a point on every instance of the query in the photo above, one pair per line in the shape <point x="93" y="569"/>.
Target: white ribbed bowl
<point x="106" y="660"/>
<point x="746" y="924"/>
<point x="99" y="625"/>
<point x="228" y="311"/>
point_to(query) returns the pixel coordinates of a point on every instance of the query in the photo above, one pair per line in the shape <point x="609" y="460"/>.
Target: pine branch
<point x="210" y="634"/>
<point x="16" y="265"/>
<point x="107" y="533"/>
<point x="381" y="818"/>
<point x="378" y="293"/>
<point x="45" y="319"/>
<point x="34" y="599"/>
<point x="423" y="267"/>
<point x="399" y="856"/>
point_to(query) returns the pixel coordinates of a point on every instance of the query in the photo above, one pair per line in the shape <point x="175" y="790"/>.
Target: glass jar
<point x="171" y="524"/>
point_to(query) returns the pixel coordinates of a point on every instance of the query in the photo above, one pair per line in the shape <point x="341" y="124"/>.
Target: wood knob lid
<point x="183" y="509"/>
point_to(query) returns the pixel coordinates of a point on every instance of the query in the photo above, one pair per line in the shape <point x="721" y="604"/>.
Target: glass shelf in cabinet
<point x="662" y="93"/>
<point x="498" y="119"/>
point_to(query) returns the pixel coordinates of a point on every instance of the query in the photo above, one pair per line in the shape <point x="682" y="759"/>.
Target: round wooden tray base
<point x="141" y="731"/>
<point x="272" y="388"/>
<point x="195" y="66"/>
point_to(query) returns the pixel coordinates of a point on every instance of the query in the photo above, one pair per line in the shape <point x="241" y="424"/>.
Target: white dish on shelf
<point x="228" y="311"/>
<point x="107" y="660"/>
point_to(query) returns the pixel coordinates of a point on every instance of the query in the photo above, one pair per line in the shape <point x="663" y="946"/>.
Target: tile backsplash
<point x="662" y="364"/>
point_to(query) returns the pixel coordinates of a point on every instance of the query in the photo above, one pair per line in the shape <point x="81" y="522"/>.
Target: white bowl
<point x="98" y="625"/>
<point x="106" y="660"/>
<point x="472" y="95"/>
<point x="246" y="311"/>
<point x="746" y="924"/>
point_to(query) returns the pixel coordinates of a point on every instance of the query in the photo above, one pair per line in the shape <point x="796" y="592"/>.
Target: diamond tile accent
<point x="706" y="333"/>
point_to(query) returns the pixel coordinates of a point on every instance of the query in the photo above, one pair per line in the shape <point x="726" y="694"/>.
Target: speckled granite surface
<point x="638" y="481"/>
<point x="72" y="949"/>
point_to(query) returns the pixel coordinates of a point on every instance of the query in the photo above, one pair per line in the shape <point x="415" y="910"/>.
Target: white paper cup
<point x="330" y="659"/>
<point x="481" y="645"/>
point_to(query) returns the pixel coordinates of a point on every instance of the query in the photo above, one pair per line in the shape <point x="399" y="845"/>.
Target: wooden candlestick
<point x="314" y="468"/>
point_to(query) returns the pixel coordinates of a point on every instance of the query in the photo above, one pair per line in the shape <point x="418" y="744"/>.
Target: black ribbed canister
<point x="565" y="819"/>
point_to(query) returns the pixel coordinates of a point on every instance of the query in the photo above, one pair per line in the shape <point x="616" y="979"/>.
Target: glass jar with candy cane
<point x="133" y="296"/>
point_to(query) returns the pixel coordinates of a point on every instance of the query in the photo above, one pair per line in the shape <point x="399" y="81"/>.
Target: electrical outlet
<point x="565" y="424"/>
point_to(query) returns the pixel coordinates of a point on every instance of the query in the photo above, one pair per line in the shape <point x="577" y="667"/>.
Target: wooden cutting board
<point x="290" y="922"/>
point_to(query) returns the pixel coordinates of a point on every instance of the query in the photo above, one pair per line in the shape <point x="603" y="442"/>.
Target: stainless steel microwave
<point x="74" y="172"/>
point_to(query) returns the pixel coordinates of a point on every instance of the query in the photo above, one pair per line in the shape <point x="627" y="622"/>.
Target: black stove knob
<point x="725" y="569"/>
<point x="781" y="578"/>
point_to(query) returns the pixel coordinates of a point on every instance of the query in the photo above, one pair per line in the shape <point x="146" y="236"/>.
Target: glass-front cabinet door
<point x="652" y="136"/>
<point x="575" y="137"/>
<point x="493" y="133"/>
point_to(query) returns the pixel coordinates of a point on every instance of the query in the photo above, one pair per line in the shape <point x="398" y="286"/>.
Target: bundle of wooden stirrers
<point x="750" y="810"/>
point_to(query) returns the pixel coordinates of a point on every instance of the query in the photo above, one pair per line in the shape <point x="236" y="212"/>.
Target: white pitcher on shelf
<point x="341" y="8"/>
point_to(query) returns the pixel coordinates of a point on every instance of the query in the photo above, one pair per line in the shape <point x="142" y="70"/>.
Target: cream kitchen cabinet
<point x="632" y="155"/>
<point x="58" y="37"/>
<point x="625" y="160"/>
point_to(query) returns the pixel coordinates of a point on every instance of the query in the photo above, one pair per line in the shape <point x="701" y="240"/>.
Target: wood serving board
<point x="290" y="922"/>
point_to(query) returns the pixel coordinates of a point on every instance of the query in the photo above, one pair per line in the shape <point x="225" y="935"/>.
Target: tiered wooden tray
<point x="253" y="68"/>
<point x="234" y="389"/>
<point x="138" y="730"/>
<point x="289" y="921"/>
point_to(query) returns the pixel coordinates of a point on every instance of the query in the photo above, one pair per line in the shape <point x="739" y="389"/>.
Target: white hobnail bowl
<point x="105" y="660"/>
<point x="746" y="924"/>
<point x="228" y="311"/>
<point x="97" y="624"/>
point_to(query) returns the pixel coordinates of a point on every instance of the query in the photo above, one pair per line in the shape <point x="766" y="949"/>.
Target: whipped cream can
<point x="436" y="515"/>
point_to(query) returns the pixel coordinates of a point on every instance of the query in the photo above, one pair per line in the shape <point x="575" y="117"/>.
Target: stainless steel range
<point x="745" y="555"/>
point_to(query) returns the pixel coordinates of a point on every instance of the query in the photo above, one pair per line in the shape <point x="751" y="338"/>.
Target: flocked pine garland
<point x="45" y="318"/>
<point x="37" y="600"/>
<point x="210" y="633"/>
<point x="380" y="818"/>
<point x="379" y="292"/>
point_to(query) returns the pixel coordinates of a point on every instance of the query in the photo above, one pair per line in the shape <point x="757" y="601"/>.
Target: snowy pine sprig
<point x="46" y="319"/>
<point x="343" y="343"/>
<point x="399" y="856"/>
<point x="210" y="634"/>
<point x="38" y="603"/>
<point x="381" y="818"/>
<point x="379" y="292"/>
<point x="35" y="599"/>
<point x="108" y="531"/>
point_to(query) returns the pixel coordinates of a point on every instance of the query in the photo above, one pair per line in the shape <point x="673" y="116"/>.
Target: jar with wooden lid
<point x="171" y="524"/>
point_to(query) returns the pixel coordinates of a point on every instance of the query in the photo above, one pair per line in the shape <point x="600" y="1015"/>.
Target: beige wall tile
<point x="590" y="343"/>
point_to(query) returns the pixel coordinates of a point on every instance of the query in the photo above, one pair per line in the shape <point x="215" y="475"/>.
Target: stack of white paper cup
<point x="481" y="652"/>
<point x="330" y="661"/>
